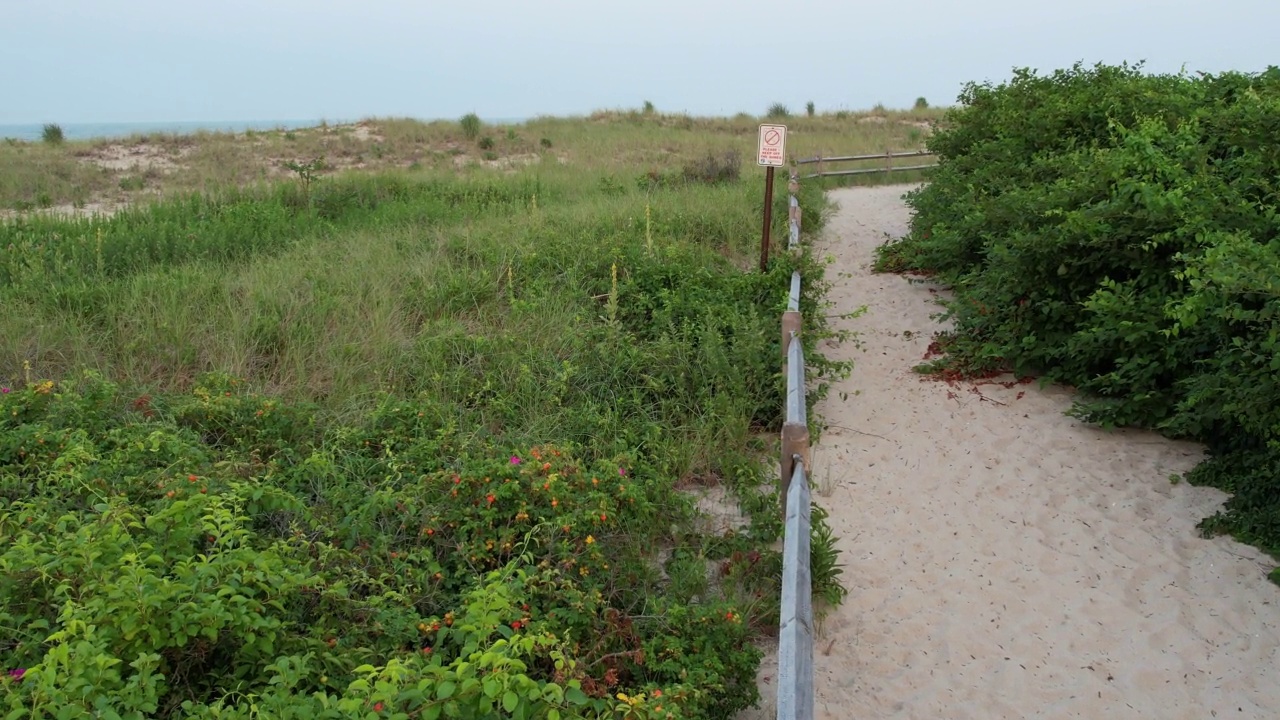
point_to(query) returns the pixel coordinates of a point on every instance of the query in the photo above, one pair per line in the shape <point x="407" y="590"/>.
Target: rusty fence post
<point x="795" y="444"/>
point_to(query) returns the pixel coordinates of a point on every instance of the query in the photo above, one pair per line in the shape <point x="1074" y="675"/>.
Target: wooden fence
<point x="888" y="157"/>
<point x="795" y="632"/>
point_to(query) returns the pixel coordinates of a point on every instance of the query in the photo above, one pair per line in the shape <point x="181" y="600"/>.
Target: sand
<point x="1003" y="559"/>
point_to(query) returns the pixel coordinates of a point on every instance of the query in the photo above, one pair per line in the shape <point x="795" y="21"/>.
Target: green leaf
<point x="575" y="696"/>
<point x="445" y="691"/>
<point x="509" y="701"/>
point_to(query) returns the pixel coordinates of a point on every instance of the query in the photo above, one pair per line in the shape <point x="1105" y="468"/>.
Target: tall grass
<point x="378" y="283"/>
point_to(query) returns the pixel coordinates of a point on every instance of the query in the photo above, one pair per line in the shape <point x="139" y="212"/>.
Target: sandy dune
<point x="1004" y="560"/>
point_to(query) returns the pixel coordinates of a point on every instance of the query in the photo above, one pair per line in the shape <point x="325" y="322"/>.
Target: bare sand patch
<point x="1005" y="560"/>
<point x="140" y="157"/>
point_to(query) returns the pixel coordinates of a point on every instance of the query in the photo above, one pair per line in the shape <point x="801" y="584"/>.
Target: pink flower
<point x="515" y="460"/>
<point x="4" y="391"/>
<point x="622" y="472"/>
<point x="16" y="674"/>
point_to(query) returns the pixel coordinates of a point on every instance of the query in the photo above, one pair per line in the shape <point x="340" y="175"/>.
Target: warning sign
<point x="773" y="146"/>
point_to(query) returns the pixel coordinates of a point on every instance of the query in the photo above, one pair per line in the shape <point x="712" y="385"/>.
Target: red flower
<point x="490" y="497"/>
<point x="377" y="707"/>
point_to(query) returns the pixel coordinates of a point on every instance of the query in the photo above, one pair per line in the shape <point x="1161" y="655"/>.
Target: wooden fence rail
<point x="795" y="627"/>
<point x="888" y="156"/>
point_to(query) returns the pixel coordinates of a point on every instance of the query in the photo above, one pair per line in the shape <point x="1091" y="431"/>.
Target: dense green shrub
<point x="158" y="557"/>
<point x="1116" y="231"/>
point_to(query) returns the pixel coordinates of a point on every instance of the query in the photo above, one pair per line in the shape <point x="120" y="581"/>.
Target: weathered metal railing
<point x="888" y="157"/>
<point x="795" y="631"/>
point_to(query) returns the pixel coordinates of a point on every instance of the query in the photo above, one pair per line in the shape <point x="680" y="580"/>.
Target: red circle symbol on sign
<point x="771" y="137"/>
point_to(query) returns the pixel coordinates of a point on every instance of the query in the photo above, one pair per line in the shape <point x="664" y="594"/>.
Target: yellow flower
<point x="590" y="539"/>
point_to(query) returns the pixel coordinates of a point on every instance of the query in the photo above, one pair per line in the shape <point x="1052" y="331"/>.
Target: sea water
<point x="87" y="131"/>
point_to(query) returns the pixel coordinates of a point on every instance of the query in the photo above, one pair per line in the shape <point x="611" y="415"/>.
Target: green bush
<point x="471" y="126"/>
<point x="1114" y="231"/>
<point x="217" y="541"/>
<point x="52" y="134"/>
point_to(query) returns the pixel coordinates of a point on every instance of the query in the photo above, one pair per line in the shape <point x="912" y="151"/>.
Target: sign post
<point x="771" y="153"/>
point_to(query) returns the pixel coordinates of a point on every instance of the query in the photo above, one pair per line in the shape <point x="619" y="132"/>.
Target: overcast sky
<point x="73" y="61"/>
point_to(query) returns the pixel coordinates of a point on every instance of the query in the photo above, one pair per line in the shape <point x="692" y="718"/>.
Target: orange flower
<point x="554" y="502"/>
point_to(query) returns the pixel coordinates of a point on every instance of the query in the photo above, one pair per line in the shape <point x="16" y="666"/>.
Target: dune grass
<point x="348" y="380"/>
<point x="104" y="174"/>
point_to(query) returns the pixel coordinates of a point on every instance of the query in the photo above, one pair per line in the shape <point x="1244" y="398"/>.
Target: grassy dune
<point x="405" y="437"/>
<point x="87" y="176"/>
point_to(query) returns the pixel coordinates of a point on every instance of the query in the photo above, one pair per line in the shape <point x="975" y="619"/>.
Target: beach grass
<point x="99" y="175"/>
<point x="345" y="346"/>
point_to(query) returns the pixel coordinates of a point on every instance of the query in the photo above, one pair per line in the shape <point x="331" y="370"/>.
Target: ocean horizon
<point x="94" y="131"/>
<point x="112" y="130"/>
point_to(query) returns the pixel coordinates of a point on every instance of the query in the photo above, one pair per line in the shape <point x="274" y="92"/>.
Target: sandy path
<point x="1004" y="560"/>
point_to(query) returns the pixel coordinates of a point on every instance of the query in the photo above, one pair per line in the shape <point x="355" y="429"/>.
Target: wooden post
<point x="888" y="162"/>
<point x="795" y="442"/>
<point x="768" y="218"/>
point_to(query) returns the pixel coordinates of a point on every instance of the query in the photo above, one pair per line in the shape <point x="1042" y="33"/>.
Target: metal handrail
<point x="795" y="628"/>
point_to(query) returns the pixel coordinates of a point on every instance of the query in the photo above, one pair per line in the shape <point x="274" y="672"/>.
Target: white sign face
<point x="773" y="146"/>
